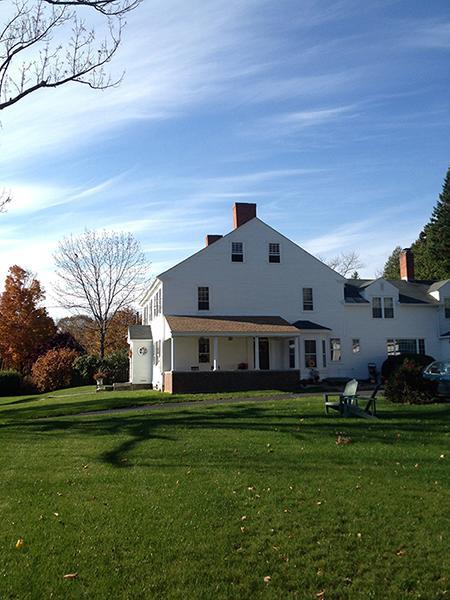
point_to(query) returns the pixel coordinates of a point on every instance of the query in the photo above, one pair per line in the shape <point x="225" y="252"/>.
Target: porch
<point x="230" y="354"/>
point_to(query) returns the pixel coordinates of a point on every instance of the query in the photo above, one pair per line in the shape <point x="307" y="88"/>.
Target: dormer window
<point x="237" y="252"/>
<point x="382" y="307"/>
<point x="274" y="253"/>
<point x="447" y="308"/>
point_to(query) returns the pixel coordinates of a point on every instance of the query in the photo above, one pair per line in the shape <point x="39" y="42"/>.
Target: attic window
<point x="237" y="252"/>
<point x="274" y="253"/>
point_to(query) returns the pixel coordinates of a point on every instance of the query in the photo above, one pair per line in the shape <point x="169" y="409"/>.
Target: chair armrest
<point x="332" y="395"/>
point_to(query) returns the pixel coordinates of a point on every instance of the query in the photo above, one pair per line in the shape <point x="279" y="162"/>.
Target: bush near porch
<point x="248" y="500"/>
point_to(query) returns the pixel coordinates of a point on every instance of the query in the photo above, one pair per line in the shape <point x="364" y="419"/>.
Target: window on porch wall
<point x="203" y="350"/>
<point x="310" y="354"/>
<point x="292" y="354"/>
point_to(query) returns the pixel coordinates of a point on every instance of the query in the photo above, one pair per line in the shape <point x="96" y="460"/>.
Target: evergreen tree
<point x="392" y="265"/>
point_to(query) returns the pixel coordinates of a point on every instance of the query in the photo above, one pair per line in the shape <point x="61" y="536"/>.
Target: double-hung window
<point x="308" y="303"/>
<point x="356" y="346"/>
<point x="447" y="308"/>
<point x="203" y="298"/>
<point x="310" y="354"/>
<point x="274" y="253"/>
<point x="237" y="252"/>
<point x="382" y="307"/>
<point x="157" y="352"/>
<point x="335" y="349"/>
<point x="203" y="350"/>
<point x="405" y="346"/>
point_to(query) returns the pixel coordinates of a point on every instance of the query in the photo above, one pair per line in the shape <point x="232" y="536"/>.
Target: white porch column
<point x="215" y="353"/>
<point x="172" y="354"/>
<point x="257" y="353"/>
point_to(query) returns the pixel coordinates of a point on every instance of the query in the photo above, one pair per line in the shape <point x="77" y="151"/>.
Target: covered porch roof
<point x="231" y="325"/>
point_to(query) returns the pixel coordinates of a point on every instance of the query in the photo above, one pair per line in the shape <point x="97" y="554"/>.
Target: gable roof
<point x="410" y="292"/>
<point x="224" y="325"/>
<point x="248" y="223"/>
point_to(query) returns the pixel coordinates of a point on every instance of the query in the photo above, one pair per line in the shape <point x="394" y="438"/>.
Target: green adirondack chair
<point x="342" y="402"/>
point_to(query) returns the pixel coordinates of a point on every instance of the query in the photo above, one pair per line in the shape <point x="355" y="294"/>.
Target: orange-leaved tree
<point x="25" y="326"/>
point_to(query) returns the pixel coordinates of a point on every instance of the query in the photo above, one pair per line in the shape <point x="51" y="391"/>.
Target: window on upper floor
<point x="203" y="350"/>
<point x="150" y="310"/>
<point x="335" y="349"/>
<point x="308" y="303"/>
<point x="237" y="252"/>
<point x="447" y="308"/>
<point x="274" y="253"/>
<point x="382" y="307"/>
<point x="203" y="298"/>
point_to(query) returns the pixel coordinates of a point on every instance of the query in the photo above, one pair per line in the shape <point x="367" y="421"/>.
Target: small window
<point x="203" y="350"/>
<point x="356" y="346"/>
<point x="335" y="349"/>
<point x="388" y="308"/>
<point x="157" y="353"/>
<point x="237" y="252"/>
<point x="407" y="346"/>
<point x="377" y="312"/>
<point x="324" y="354"/>
<point x="447" y="308"/>
<point x="392" y="348"/>
<point x="274" y="253"/>
<point x="308" y="303"/>
<point x="150" y="310"/>
<point x="310" y="354"/>
<point x="292" y="354"/>
<point x="203" y="298"/>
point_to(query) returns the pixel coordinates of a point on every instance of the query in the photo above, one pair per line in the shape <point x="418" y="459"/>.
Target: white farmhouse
<point x="254" y="310"/>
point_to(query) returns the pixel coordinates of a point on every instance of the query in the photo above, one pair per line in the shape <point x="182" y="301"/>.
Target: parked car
<point x="439" y="371"/>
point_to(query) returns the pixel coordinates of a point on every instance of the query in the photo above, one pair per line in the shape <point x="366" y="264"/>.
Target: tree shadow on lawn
<point x="144" y="426"/>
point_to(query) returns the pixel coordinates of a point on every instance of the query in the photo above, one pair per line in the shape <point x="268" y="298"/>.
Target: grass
<point x="85" y="399"/>
<point x="206" y="502"/>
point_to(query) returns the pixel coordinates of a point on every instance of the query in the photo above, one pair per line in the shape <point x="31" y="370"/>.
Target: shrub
<point x="406" y="385"/>
<point x="54" y="370"/>
<point x="116" y="365"/>
<point x="392" y="363"/>
<point x="86" y="366"/>
<point x="10" y="382"/>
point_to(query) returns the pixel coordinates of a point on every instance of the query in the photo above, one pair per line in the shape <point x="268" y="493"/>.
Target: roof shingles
<point x="256" y="325"/>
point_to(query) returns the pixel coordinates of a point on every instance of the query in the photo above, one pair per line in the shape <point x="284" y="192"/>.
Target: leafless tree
<point x="4" y="199"/>
<point x="345" y="263"/>
<point x="98" y="275"/>
<point x="48" y="43"/>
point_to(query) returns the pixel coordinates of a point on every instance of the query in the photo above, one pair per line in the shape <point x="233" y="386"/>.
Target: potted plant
<point x="99" y="377"/>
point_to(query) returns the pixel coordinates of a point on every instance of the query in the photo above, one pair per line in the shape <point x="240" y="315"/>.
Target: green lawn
<point x="206" y="502"/>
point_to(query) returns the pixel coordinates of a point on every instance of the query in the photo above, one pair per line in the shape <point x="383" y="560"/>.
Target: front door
<point x="264" y="354"/>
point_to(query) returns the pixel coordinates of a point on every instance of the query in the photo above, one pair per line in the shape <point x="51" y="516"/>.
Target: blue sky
<point x="332" y="116"/>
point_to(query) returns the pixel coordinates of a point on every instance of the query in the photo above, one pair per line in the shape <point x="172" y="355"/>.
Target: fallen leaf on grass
<point x="321" y="595"/>
<point x="401" y="553"/>
<point x="56" y="514"/>
<point x="20" y="543"/>
<point x="267" y="579"/>
<point x="244" y="518"/>
<point x="341" y="440"/>
<point x="70" y="576"/>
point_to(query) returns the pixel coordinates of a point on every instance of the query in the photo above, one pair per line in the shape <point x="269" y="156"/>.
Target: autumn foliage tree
<point x="25" y="326"/>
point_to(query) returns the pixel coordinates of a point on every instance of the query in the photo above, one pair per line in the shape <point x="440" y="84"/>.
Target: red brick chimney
<point x="211" y="238"/>
<point x="243" y="212"/>
<point x="407" y="265"/>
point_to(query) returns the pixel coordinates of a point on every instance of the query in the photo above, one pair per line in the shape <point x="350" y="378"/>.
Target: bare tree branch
<point x="344" y="263"/>
<point x="5" y="198"/>
<point x="100" y="274"/>
<point x="47" y="43"/>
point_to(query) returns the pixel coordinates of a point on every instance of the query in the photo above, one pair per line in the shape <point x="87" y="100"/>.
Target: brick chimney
<point x="243" y="212"/>
<point x="211" y="238"/>
<point x="407" y="265"/>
